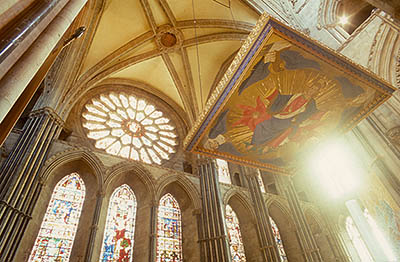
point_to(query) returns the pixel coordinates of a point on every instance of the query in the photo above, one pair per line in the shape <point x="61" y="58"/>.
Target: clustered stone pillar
<point x="307" y="241"/>
<point x="20" y="183"/>
<point x="18" y="74"/>
<point x="336" y="242"/>
<point x="213" y="238"/>
<point x="265" y="234"/>
<point x="153" y="230"/>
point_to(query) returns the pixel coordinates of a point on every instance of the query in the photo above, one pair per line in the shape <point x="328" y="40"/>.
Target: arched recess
<point x="320" y="235"/>
<point x="327" y="20"/>
<point x="385" y="50"/>
<point x="247" y="223"/>
<point x="89" y="169"/>
<point x="287" y="230"/>
<point x="142" y="185"/>
<point x="188" y="199"/>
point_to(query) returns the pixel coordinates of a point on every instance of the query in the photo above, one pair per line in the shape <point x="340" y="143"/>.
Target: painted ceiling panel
<point x="212" y="9"/>
<point x="154" y="73"/>
<point x="121" y="21"/>
<point x="211" y="56"/>
<point x="159" y="16"/>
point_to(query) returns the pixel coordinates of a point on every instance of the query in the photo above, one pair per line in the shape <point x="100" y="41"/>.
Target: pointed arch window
<point x="223" y="171"/>
<point x="169" y="230"/>
<point x="357" y="240"/>
<point x="57" y="232"/>
<point x="235" y="236"/>
<point x="380" y="237"/>
<point x="278" y="240"/>
<point x="120" y="226"/>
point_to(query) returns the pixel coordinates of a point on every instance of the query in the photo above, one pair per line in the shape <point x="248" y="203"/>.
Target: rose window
<point x="130" y="127"/>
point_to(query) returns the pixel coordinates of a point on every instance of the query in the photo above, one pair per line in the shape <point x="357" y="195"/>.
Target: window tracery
<point x="127" y="126"/>
<point x="357" y="241"/>
<point x="235" y="236"/>
<point x="278" y="240"/>
<point x="57" y="232"/>
<point x="169" y="230"/>
<point x="120" y="226"/>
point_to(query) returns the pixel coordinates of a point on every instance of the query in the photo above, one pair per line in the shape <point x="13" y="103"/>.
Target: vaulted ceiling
<point x="177" y="48"/>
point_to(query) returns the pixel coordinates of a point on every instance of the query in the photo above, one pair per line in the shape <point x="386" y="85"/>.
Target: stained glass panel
<point x="235" y="237"/>
<point x="358" y="242"/>
<point x="223" y="171"/>
<point x="380" y="237"/>
<point x="169" y="230"/>
<point x="120" y="226"/>
<point x="125" y="126"/>
<point x="278" y="240"/>
<point x="57" y="232"/>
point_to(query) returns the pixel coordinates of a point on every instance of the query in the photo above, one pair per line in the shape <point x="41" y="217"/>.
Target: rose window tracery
<point x="127" y="126"/>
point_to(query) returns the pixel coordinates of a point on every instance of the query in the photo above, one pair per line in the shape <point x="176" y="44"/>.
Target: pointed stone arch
<point x="91" y="171"/>
<point x="70" y="155"/>
<point x="188" y="198"/>
<point x="140" y="181"/>
<point x="279" y="211"/>
<point x="244" y="211"/>
<point x="188" y="186"/>
<point x="321" y="236"/>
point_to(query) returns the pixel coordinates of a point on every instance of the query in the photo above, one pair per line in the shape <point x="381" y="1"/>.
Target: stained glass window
<point x="127" y="126"/>
<point x="120" y="226"/>
<point x="169" y="230"/>
<point x="278" y="240"/>
<point x="380" y="237"/>
<point x="358" y="242"/>
<point x="223" y="171"/>
<point x="57" y="232"/>
<point x="235" y="237"/>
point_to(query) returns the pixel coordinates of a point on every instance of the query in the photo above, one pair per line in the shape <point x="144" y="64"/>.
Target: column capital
<point x="197" y="211"/>
<point x="101" y="193"/>
<point x="50" y="112"/>
<point x="204" y="161"/>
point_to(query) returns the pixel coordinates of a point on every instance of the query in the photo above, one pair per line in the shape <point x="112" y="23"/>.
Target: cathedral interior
<point x="99" y="100"/>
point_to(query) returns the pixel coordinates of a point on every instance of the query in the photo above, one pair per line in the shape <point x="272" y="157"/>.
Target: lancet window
<point x="57" y="232"/>
<point x="130" y="127"/>
<point x="169" y="230"/>
<point x="120" y="226"/>
<point x="223" y="171"/>
<point x="235" y="236"/>
<point x="357" y="241"/>
<point x="278" y="240"/>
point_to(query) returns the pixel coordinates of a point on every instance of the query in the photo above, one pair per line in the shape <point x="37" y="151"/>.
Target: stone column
<point x="20" y="184"/>
<point x="17" y="77"/>
<point x="213" y="240"/>
<point x="25" y="29"/>
<point x="336" y="243"/>
<point x="264" y="229"/>
<point x="95" y="225"/>
<point x="153" y="230"/>
<point x="307" y="241"/>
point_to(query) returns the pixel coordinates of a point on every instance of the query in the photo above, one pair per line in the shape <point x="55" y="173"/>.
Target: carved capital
<point x="393" y="135"/>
